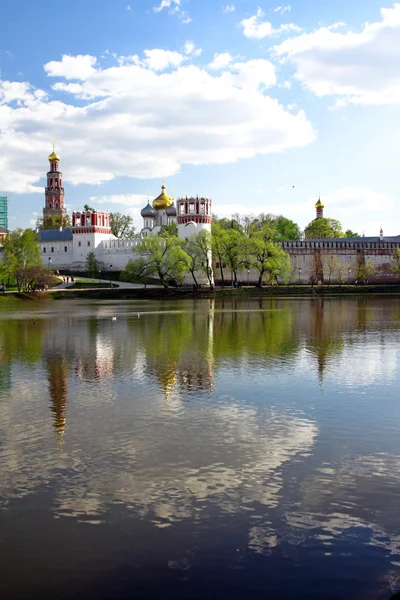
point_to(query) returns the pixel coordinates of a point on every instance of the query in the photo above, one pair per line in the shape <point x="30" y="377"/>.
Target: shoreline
<point x="188" y="293"/>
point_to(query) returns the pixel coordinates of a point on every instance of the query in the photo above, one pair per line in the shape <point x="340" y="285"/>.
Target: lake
<point x="200" y="449"/>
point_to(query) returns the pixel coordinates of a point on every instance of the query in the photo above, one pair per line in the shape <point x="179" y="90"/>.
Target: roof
<point x="2" y="230"/>
<point x="393" y="238"/>
<point x="55" y="235"/>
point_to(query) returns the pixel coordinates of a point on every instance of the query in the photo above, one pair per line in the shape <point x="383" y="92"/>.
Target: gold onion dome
<point x="54" y="156"/>
<point x="319" y="204"/>
<point x="162" y="201"/>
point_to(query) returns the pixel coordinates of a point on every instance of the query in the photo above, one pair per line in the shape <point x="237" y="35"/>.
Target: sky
<point x="259" y="105"/>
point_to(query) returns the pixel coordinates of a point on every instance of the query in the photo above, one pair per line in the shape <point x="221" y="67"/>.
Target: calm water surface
<point x="200" y="450"/>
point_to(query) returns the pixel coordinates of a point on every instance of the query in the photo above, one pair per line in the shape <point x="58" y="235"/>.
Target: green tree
<point x="20" y="252"/>
<point x="192" y="249"/>
<point x="88" y="208"/>
<point x="266" y="256"/>
<point x="286" y="229"/>
<point x="317" y="269"/>
<point x="350" y="234"/>
<point x="323" y="228"/>
<point x="395" y="267"/>
<point x="121" y="226"/>
<point x="92" y="264"/>
<point x="171" y="230"/>
<point x="218" y="246"/>
<point x="202" y="243"/>
<point x="53" y="222"/>
<point x="234" y="243"/>
<point x="165" y="259"/>
<point x="137" y="271"/>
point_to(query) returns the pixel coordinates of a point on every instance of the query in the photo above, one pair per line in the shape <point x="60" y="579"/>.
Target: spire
<point x="54" y="156"/>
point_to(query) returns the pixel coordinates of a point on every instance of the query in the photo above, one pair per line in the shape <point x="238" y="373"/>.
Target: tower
<point x="3" y="213"/>
<point x="54" y="213"/>
<point x="320" y="209"/>
<point x="193" y="215"/>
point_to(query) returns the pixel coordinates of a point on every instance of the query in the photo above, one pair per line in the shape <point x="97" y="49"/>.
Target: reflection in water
<point x="250" y="421"/>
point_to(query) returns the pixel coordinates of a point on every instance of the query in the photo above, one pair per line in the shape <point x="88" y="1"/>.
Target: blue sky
<point x="260" y="105"/>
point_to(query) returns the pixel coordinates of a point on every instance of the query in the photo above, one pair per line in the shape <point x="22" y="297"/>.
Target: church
<point x="319" y="261"/>
<point x="67" y="248"/>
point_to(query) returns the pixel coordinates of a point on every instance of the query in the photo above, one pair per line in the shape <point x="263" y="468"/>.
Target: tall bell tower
<point x="54" y="213"/>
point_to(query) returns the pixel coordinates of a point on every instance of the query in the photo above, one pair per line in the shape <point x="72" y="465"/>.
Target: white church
<point x="67" y="248"/>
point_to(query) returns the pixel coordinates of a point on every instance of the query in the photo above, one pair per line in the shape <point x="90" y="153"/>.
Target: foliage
<point x="88" y="208"/>
<point x="53" y="222"/>
<point x="192" y="249"/>
<point x="136" y="271"/>
<point x="234" y="250"/>
<point x="164" y="257"/>
<point x="171" y="230"/>
<point x="20" y="250"/>
<point x="121" y="226"/>
<point x="350" y="234"/>
<point x="331" y="264"/>
<point x="202" y="245"/>
<point x="92" y="264"/>
<point x="323" y="228"/>
<point x="364" y="270"/>
<point x="266" y="256"/>
<point x="30" y="278"/>
<point x="218" y="235"/>
<point x="395" y="267"/>
<point x="284" y="228"/>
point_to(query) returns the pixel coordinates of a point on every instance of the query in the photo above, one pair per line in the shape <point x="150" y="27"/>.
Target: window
<point x="52" y="249"/>
<point x="202" y="209"/>
<point x="191" y="208"/>
<point x="79" y="244"/>
<point x="44" y="250"/>
<point x="65" y="249"/>
<point x="217" y="265"/>
<point x="88" y="243"/>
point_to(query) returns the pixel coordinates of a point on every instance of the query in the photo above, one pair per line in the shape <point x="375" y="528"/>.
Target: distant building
<point x="3" y="218"/>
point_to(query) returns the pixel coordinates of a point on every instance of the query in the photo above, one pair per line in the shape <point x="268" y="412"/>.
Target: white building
<point x="67" y="248"/>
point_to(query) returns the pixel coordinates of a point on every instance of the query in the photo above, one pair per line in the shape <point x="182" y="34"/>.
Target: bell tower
<point x="54" y="214"/>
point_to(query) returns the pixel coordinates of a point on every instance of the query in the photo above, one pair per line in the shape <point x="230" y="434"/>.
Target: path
<point x="122" y="285"/>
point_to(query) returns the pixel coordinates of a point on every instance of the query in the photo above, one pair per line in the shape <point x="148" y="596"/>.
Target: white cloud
<point x="358" y="68"/>
<point x="128" y="7"/>
<point x="159" y="60"/>
<point x="283" y="9"/>
<point x="72" y="67"/>
<point x="133" y="121"/>
<point x="254" y="27"/>
<point x="228" y="8"/>
<point x="174" y="7"/>
<point x="190" y="49"/>
<point x="220" y="61"/>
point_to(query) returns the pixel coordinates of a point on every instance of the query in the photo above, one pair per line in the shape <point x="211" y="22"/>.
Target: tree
<point x="53" y="222"/>
<point x="286" y="229"/>
<point x="395" y="267"/>
<point x="31" y="277"/>
<point x="92" y="264"/>
<point x="317" y="270"/>
<point x="350" y="234"/>
<point x="323" y="228"/>
<point x="192" y="249"/>
<point x="266" y="256"/>
<point x="20" y="251"/>
<point x="88" y="208"/>
<point x="136" y="271"/>
<point x="121" y="226"/>
<point x="165" y="259"/>
<point x="330" y="266"/>
<point x="234" y="248"/>
<point x="218" y="245"/>
<point x="364" y="269"/>
<point x="171" y="230"/>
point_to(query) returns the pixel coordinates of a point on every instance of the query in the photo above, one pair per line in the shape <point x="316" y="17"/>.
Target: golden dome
<point x="319" y="204"/>
<point x="162" y="201"/>
<point x="54" y="156"/>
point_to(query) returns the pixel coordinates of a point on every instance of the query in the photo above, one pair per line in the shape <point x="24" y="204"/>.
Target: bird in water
<point x="114" y="319"/>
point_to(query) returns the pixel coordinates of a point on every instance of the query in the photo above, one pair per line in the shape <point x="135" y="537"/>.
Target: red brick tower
<point x="54" y="213"/>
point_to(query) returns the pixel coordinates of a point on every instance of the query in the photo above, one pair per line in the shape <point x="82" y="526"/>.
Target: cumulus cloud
<point x="254" y="27"/>
<point x="131" y="120"/>
<point x="122" y="199"/>
<point x="159" y="60"/>
<point x="358" y="68"/>
<point x="228" y="8"/>
<point x="191" y="50"/>
<point x="220" y="61"/>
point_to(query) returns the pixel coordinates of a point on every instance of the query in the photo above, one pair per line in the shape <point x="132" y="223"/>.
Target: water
<point x="200" y="450"/>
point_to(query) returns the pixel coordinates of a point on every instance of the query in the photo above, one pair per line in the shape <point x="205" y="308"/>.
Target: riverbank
<point x="171" y="293"/>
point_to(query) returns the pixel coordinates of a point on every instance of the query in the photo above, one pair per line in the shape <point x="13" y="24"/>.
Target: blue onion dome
<point x="148" y="211"/>
<point x="171" y="211"/>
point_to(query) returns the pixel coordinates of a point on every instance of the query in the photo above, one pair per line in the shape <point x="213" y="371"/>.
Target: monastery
<point x="337" y="260"/>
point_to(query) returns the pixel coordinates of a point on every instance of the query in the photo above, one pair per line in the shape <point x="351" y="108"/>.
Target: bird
<point x="138" y="315"/>
<point x="114" y="319"/>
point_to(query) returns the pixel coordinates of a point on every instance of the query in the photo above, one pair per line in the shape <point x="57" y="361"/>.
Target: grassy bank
<point x="107" y="293"/>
